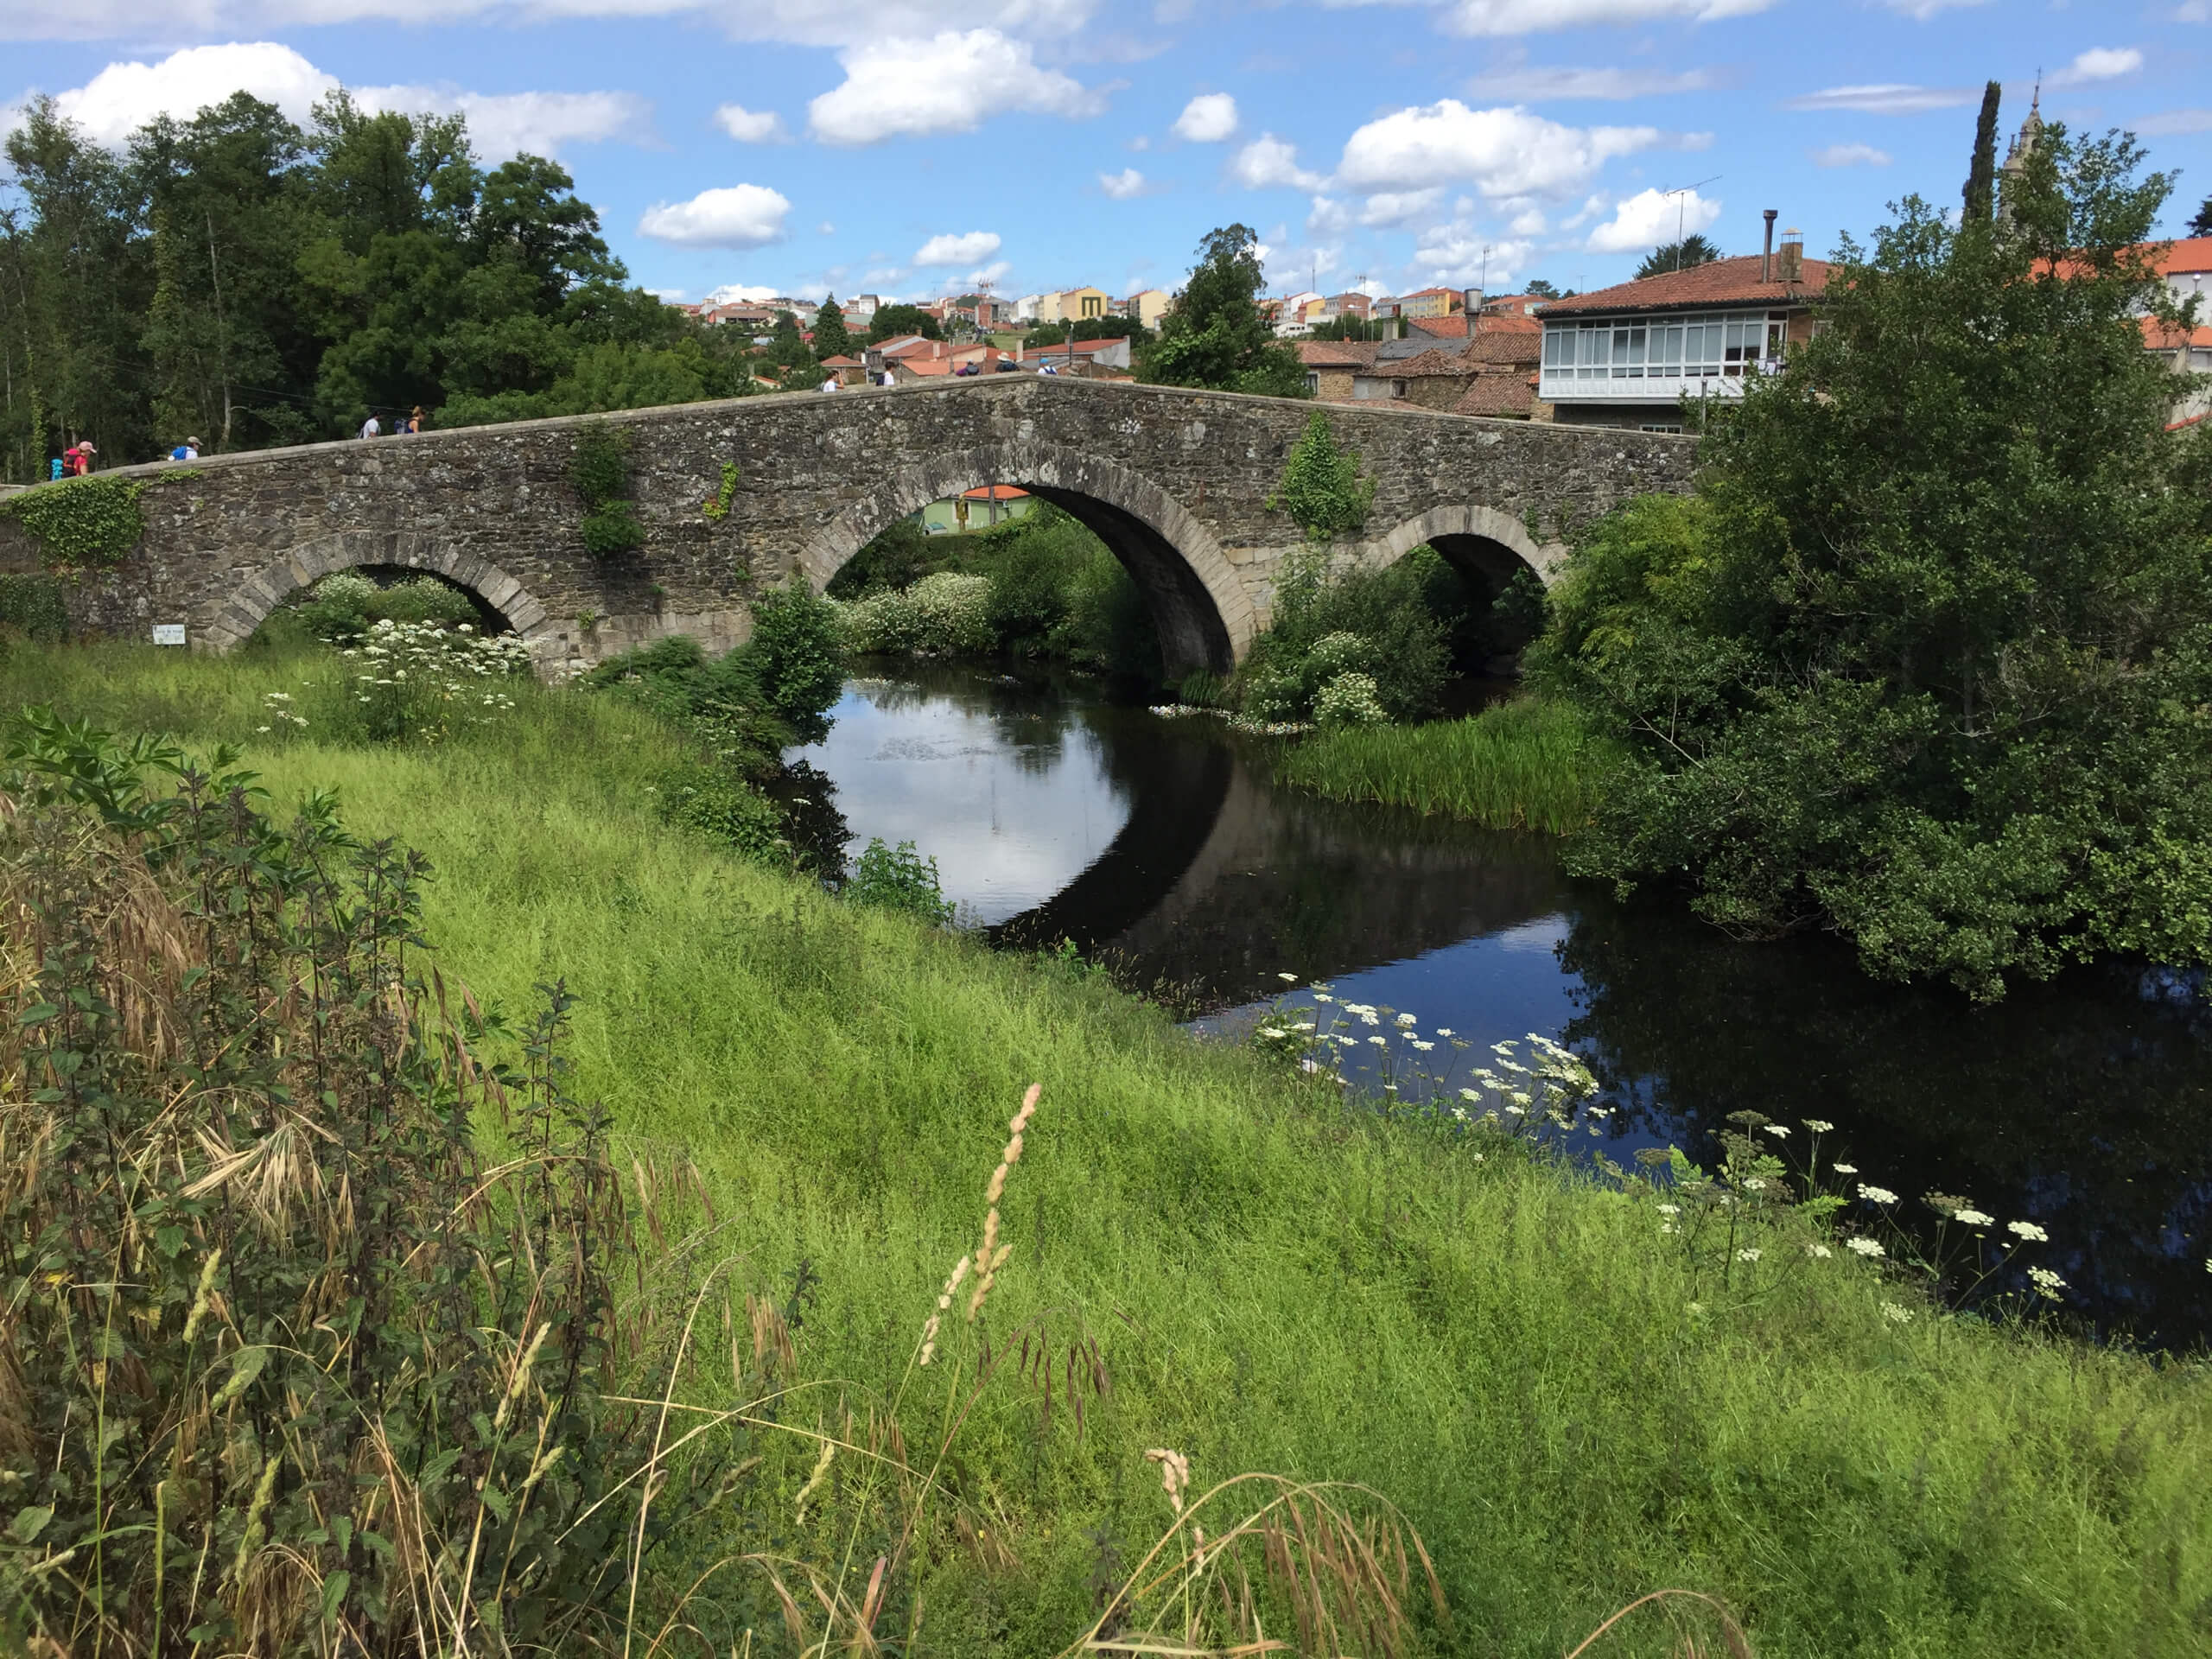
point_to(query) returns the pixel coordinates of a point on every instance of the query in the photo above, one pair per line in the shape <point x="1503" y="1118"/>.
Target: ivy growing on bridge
<point x="599" y="470"/>
<point x="716" y="506"/>
<point x="80" y="523"/>
<point x="1321" y="488"/>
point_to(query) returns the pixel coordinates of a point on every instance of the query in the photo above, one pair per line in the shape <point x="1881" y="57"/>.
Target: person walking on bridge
<point x="369" y="427"/>
<point x="188" y="450"/>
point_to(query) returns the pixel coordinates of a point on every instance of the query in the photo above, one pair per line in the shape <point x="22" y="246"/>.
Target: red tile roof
<point x="2157" y="337"/>
<point x="1452" y="328"/>
<point x="1724" y="282"/>
<point x="1336" y="354"/>
<point x="1428" y="363"/>
<point x="1498" y="394"/>
<point x="840" y="361"/>
<point x="2190" y="253"/>
<point x="993" y="491"/>
<point x="1506" y="345"/>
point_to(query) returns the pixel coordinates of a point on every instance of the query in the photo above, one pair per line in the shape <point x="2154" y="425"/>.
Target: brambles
<point x="80" y="523"/>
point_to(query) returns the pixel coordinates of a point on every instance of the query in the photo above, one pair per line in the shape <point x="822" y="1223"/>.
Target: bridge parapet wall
<point x="228" y="537"/>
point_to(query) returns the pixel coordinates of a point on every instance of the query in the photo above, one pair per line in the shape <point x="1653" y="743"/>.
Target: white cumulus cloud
<point x="735" y="216"/>
<point x="1268" y="160"/>
<point x="751" y="126"/>
<point x="1460" y="256"/>
<point x="966" y="249"/>
<point x="124" y="97"/>
<point x="741" y="293"/>
<point x="2100" y="63"/>
<point x="2176" y="121"/>
<point x="952" y="82"/>
<point x="1503" y="152"/>
<point x="988" y="275"/>
<point x="1122" y="184"/>
<point x="1851" y="155"/>
<point x="1208" y="119"/>
<point x="1395" y="208"/>
<point x="1649" y="218"/>
<point x="1886" y="97"/>
<point x="1535" y="16"/>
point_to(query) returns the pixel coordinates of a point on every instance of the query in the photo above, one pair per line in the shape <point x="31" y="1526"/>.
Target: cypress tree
<point x="1982" y="180"/>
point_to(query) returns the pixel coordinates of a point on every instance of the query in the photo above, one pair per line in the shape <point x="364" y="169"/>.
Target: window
<point x="1718" y="344"/>
<point x="1660" y="426"/>
<point x="1313" y="381"/>
<point x="1397" y="388"/>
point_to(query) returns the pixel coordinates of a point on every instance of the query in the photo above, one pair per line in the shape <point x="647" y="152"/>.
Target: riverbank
<point x="1570" y="1408"/>
<point x="1523" y="765"/>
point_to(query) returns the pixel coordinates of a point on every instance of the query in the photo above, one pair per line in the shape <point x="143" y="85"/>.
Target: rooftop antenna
<point x="1681" y="193"/>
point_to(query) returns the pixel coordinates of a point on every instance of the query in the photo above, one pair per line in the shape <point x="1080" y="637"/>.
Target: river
<point x="1162" y="847"/>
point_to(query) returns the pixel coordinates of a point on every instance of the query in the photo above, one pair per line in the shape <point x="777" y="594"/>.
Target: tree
<point x="1692" y="250"/>
<point x="1981" y="177"/>
<point x="1216" y="337"/>
<point x="890" y="321"/>
<point x="2202" y="225"/>
<point x="1542" y="289"/>
<point x="830" y="336"/>
<point x="1923" y="660"/>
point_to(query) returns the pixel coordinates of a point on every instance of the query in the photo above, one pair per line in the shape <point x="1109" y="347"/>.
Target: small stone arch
<point x="260" y="593"/>
<point x="1202" y="613"/>
<point x="1478" y="540"/>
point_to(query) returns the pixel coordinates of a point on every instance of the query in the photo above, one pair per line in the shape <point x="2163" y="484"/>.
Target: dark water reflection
<point x="1159" y="845"/>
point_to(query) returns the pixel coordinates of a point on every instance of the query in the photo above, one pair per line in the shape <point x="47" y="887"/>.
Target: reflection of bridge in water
<point x="1218" y="880"/>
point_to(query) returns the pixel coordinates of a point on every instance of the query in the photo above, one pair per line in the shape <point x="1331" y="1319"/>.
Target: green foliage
<point x="716" y="801"/>
<point x="1530" y="763"/>
<point x="832" y="337"/>
<point x="80" y="524"/>
<point x="1925" y="662"/>
<point x="1321" y="489"/>
<point x="894" y="321"/>
<point x="599" y="469"/>
<point x="345" y="604"/>
<point x="899" y="879"/>
<point x="1692" y="250"/>
<point x="1373" y="623"/>
<point x="719" y="701"/>
<point x="2202" y="225"/>
<point x="796" y="657"/>
<point x="716" y="506"/>
<point x="32" y="607"/>
<point x="340" y="1372"/>
<point x="1216" y="337"/>
<point x="899" y="556"/>
<point x="412" y="682"/>
<point x="1981" y="193"/>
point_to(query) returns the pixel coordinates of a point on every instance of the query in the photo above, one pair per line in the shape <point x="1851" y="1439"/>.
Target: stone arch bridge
<point x="1175" y="482"/>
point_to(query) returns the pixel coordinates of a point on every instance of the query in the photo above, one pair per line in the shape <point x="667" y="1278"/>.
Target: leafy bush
<point x="953" y="613"/>
<point x="599" y="469"/>
<point x="899" y="879"/>
<point x="900" y="556"/>
<point x="32" y="607"/>
<point x="796" y="658"/>
<point x="290" y="1368"/>
<point x="343" y="606"/>
<point x="716" y="801"/>
<point x="1349" y="699"/>
<point x="1321" y="489"/>
<point x="1373" y="623"/>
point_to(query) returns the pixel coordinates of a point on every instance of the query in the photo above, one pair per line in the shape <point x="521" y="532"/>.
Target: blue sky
<point x="905" y="146"/>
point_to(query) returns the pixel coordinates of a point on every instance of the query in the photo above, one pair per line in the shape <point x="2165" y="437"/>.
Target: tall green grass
<point x="1513" y="1353"/>
<point x="1524" y="765"/>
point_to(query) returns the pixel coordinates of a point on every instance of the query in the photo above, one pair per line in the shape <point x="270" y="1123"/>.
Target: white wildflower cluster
<point x="943" y="615"/>
<point x="1876" y="1194"/>
<point x="1247" y="725"/>
<point x="1866" y="1247"/>
<point x="278" y="707"/>
<point x="1895" y="1314"/>
<point x="1349" y="699"/>
<point x="421" y="675"/>
<point x="2047" y="1283"/>
<point x="2028" y="1232"/>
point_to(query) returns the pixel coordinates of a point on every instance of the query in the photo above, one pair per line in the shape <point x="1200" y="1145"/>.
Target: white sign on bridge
<point x="169" y="633"/>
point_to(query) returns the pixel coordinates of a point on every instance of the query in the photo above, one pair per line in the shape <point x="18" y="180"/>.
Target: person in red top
<point x="77" y="459"/>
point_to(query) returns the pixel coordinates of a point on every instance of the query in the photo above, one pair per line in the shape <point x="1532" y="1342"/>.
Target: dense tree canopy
<point x="1216" y="337"/>
<point x="890" y="321"/>
<point x="240" y="279"/>
<point x="1692" y="250"/>
<point x="2202" y="225"/>
<point x="1928" y="658"/>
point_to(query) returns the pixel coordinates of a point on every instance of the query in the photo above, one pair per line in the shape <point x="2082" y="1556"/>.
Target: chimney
<point x="1790" y="263"/>
<point x="1766" y="253"/>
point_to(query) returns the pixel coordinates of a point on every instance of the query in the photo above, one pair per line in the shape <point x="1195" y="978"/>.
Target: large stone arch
<point x="1479" y="541"/>
<point x="1199" y="607"/>
<point x="261" y="593"/>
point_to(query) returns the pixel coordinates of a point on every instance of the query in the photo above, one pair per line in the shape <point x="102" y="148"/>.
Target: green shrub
<point x="416" y="682"/>
<point x="881" y="623"/>
<point x="1374" y="623"/>
<point x="286" y="1357"/>
<point x="717" y="700"/>
<point x="423" y="598"/>
<point x="80" y="523"/>
<point x="714" y="801"/>
<point x="953" y="613"/>
<point x="1347" y="699"/>
<point x="898" y="878"/>
<point x="796" y="657"/>
<point x="1321" y="489"/>
<point x="897" y="558"/>
<point x="32" y="605"/>
<point x="599" y="469"/>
